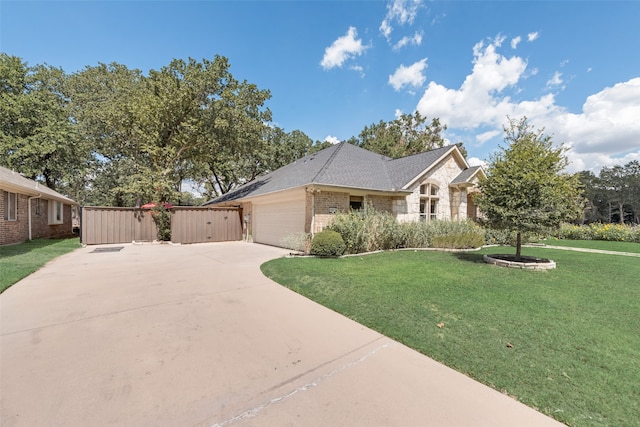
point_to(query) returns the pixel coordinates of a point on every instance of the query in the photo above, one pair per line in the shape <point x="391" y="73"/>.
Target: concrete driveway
<point x="164" y="335"/>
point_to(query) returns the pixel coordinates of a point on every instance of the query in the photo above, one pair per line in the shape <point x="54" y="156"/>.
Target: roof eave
<point x="34" y="192"/>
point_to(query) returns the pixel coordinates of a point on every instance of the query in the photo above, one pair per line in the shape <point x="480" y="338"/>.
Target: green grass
<point x="564" y="341"/>
<point x="596" y="244"/>
<point x="18" y="261"/>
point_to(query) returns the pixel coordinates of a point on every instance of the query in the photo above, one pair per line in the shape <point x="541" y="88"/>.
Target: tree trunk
<point x="621" y="205"/>
<point x="518" y="245"/>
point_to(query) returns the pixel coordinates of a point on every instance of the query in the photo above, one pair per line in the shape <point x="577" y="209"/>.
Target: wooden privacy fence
<point x="101" y="225"/>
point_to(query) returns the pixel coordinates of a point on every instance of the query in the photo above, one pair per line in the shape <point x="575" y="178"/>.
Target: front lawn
<point x="18" y="261"/>
<point x="564" y="341"/>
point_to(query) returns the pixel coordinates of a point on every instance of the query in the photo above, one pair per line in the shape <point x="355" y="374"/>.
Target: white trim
<point x="8" y="205"/>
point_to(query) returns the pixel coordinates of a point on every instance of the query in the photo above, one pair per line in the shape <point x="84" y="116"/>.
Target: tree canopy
<point x="110" y="135"/>
<point x="408" y="134"/>
<point x="526" y="188"/>
<point x="37" y="134"/>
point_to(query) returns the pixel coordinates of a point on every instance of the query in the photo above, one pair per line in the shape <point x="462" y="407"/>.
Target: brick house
<point x="30" y="210"/>
<point x="303" y="196"/>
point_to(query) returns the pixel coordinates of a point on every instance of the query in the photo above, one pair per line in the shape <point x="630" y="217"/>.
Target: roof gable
<point x="467" y="175"/>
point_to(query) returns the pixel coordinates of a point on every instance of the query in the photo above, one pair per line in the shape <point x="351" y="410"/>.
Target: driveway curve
<point x="195" y="335"/>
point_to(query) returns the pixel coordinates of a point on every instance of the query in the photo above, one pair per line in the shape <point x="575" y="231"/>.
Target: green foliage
<point x="526" y="189"/>
<point x="366" y="231"/>
<point x="162" y="218"/>
<point x="37" y="135"/>
<point x="373" y="230"/>
<point x="406" y="135"/>
<point x="188" y="120"/>
<point x="443" y="234"/>
<point x="614" y="195"/>
<point x="327" y="243"/>
<point x="597" y="231"/>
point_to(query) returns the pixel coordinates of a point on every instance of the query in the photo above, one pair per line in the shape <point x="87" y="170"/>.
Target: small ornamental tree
<point x="526" y="188"/>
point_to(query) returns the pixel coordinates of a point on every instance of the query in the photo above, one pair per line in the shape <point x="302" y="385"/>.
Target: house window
<point x="429" y="202"/>
<point x="11" y="206"/>
<point x="55" y="212"/>
<point x="355" y="203"/>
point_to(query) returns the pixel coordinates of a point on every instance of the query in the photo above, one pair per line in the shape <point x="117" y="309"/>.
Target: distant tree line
<point x="613" y="196"/>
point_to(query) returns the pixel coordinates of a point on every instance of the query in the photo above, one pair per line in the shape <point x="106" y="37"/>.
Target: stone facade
<point x="18" y="231"/>
<point x="451" y="202"/>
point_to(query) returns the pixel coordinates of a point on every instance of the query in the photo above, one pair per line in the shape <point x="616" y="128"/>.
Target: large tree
<point x="526" y="188"/>
<point x="406" y="135"/>
<point x="151" y="133"/>
<point x="37" y="135"/>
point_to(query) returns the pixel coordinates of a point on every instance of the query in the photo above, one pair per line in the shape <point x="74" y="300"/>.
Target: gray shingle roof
<point x="405" y="169"/>
<point x="466" y="175"/>
<point x="14" y="182"/>
<point x="341" y="165"/>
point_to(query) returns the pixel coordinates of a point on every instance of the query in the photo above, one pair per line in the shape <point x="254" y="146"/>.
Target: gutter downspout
<point x="29" y="210"/>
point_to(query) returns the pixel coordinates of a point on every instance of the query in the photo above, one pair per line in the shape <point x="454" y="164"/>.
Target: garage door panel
<point x="274" y="221"/>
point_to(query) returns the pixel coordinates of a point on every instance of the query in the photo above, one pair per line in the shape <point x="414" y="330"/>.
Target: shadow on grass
<point x="469" y="256"/>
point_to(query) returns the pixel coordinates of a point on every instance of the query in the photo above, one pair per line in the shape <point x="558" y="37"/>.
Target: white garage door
<point x="274" y="221"/>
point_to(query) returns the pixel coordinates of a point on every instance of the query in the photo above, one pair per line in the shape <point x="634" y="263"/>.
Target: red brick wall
<point x="18" y="231"/>
<point x="14" y="231"/>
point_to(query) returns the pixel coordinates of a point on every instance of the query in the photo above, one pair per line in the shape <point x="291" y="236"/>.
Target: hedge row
<point x="596" y="231"/>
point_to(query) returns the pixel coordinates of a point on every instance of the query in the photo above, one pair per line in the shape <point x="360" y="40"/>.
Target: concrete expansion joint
<point x="306" y="387"/>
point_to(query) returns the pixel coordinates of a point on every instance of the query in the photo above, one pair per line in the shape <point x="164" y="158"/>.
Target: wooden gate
<point x="102" y="225"/>
<point x="204" y="224"/>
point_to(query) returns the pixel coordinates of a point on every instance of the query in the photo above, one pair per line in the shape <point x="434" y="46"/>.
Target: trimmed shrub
<point x="327" y="243"/>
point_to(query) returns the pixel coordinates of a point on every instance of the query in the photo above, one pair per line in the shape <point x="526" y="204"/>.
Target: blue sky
<point x="334" y="67"/>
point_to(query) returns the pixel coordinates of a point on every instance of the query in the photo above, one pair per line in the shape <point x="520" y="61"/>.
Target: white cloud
<point x="533" y="36"/>
<point x="604" y="133"/>
<point x="415" y="40"/>
<point x="343" y="48"/>
<point x="398" y="113"/>
<point x="358" y="69"/>
<point x="332" y="139"/>
<point x="474" y="161"/>
<point x="555" y="81"/>
<point x="401" y="12"/>
<point x="515" y="41"/>
<point x="486" y="136"/>
<point x="413" y="75"/>
<point x="477" y="101"/>
<point x="608" y="123"/>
